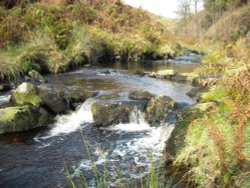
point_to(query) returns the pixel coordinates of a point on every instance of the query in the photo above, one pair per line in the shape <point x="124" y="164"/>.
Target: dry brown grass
<point x="232" y="25"/>
<point x="240" y="117"/>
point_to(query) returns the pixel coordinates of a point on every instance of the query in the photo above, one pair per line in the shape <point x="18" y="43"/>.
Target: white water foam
<point x="138" y="141"/>
<point x="4" y="99"/>
<point x="153" y="136"/>
<point x="71" y="122"/>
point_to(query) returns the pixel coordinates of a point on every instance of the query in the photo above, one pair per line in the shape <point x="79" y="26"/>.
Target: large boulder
<point x="54" y="102"/>
<point x="184" y="118"/>
<point x="108" y="113"/>
<point x="159" y="109"/>
<point x="26" y="93"/>
<point x="36" y="76"/>
<point x="22" y="118"/>
<point x="140" y="95"/>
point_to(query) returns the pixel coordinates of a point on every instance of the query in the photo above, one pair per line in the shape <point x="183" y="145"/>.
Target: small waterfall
<point x="137" y="141"/>
<point x="71" y="122"/>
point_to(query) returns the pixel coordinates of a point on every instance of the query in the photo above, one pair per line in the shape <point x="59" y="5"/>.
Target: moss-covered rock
<point x="36" y="76"/>
<point x="184" y="118"/>
<point x="110" y="96"/>
<point x="108" y="113"/>
<point x="21" y="118"/>
<point x="26" y="93"/>
<point x="159" y="109"/>
<point x="54" y="103"/>
<point x="186" y="77"/>
<point x="197" y="92"/>
<point x="140" y="95"/>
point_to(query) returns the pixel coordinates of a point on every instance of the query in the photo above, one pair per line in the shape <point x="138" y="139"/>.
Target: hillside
<point x="234" y="24"/>
<point x="53" y="36"/>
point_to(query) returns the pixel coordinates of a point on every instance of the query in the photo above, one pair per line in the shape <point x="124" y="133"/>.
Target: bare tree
<point x="188" y="11"/>
<point x="184" y="12"/>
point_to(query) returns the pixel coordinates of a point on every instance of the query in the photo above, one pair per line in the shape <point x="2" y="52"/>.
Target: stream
<point x="37" y="158"/>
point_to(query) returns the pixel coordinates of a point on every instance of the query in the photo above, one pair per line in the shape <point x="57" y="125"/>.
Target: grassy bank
<point x="216" y="147"/>
<point x="53" y="36"/>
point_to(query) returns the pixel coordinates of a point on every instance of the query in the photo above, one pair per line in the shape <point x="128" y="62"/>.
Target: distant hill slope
<point x="233" y="24"/>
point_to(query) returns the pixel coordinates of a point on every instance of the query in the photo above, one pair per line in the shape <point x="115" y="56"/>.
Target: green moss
<point x="27" y="98"/>
<point x="21" y="118"/>
<point x="110" y="96"/>
<point x="94" y="108"/>
<point x="159" y="109"/>
<point x="184" y="118"/>
<point x="35" y="75"/>
<point x="9" y="114"/>
<point x="140" y="95"/>
<point x="26" y="93"/>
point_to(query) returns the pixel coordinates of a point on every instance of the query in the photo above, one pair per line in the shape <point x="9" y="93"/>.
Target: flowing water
<point x="37" y="158"/>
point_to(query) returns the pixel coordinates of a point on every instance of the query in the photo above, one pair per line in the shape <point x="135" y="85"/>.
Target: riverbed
<point x="38" y="158"/>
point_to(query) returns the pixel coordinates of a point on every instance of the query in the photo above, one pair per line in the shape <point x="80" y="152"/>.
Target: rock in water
<point x="140" y="95"/>
<point x="53" y="102"/>
<point x="26" y="93"/>
<point x="197" y="92"/>
<point x="108" y="113"/>
<point x="159" y="109"/>
<point x="167" y="74"/>
<point x="110" y="96"/>
<point x="36" y="76"/>
<point x="79" y="95"/>
<point x="22" y="118"/>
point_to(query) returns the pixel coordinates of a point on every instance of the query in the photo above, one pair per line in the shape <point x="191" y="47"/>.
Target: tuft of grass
<point x="10" y="68"/>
